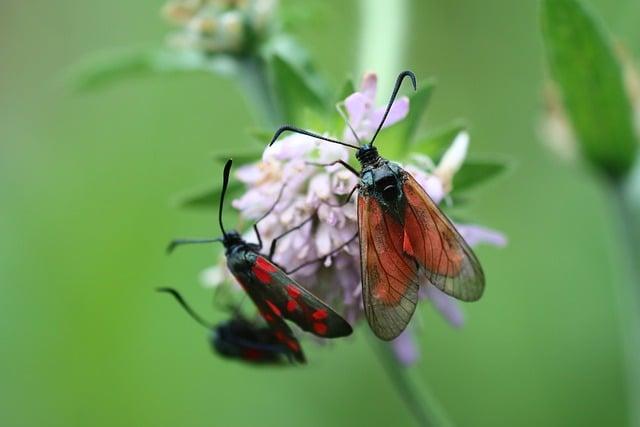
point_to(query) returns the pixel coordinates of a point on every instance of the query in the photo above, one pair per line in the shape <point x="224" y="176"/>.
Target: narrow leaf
<point x="475" y="172"/>
<point x="294" y="90"/>
<point x="107" y="68"/>
<point x="396" y="140"/>
<point x="582" y="61"/>
<point x="417" y="106"/>
<point x="436" y="142"/>
<point x="208" y="197"/>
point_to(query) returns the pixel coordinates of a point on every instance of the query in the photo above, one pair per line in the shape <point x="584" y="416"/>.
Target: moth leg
<point x="337" y="162"/>
<point x="179" y="242"/>
<point x="346" y="202"/>
<point x="333" y="252"/>
<point x="274" y="242"/>
<point x="266" y="214"/>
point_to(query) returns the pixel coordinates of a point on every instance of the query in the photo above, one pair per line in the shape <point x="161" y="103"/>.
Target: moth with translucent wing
<point x="405" y="239"/>
<point x="276" y="295"/>
<point x="243" y="339"/>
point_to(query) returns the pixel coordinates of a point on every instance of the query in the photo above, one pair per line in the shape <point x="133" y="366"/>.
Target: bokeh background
<point x="85" y="187"/>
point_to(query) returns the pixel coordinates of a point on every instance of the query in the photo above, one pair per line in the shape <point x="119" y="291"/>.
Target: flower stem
<point x="423" y="406"/>
<point x="254" y="81"/>
<point x="383" y="30"/>
<point x="627" y="201"/>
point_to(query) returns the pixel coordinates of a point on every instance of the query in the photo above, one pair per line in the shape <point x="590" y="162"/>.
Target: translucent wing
<point x="432" y="240"/>
<point x="390" y="278"/>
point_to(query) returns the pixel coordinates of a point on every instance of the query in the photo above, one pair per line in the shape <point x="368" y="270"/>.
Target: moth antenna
<point x="346" y="120"/>
<point x="186" y="306"/>
<point x="399" y="80"/>
<point x="307" y="133"/>
<point x="271" y="209"/>
<point x="225" y="184"/>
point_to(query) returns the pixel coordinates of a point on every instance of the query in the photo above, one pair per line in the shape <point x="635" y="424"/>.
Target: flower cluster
<point x="219" y="26"/>
<point x="310" y="199"/>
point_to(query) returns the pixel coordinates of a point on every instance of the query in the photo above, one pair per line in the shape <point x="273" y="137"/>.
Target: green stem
<point x="419" y="400"/>
<point x="383" y="30"/>
<point x="626" y="198"/>
<point x="254" y="82"/>
<point x="383" y="33"/>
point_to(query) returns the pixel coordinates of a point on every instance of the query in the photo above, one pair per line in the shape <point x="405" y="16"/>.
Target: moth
<point x="242" y="339"/>
<point x="276" y="295"/>
<point x="406" y="241"/>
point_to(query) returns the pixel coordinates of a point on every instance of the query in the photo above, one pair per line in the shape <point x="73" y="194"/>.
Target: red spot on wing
<point x="281" y="336"/>
<point x="320" y="314"/>
<point x="275" y="309"/>
<point x="406" y="244"/>
<point x="262" y="269"/>
<point x="293" y="345"/>
<point x="291" y="305"/>
<point x="252" y="354"/>
<point x="320" y="328"/>
<point x="293" y="291"/>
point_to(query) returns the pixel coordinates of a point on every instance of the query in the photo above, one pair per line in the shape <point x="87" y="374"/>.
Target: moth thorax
<point x="367" y="155"/>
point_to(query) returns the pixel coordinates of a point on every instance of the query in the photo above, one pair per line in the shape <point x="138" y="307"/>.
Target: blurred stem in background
<point x="384" y="25"/>
<point x="598" y="101"/>
<point x="626" y="197"/>
<point x="383" y="29"/>
<point x="423" y="406"/>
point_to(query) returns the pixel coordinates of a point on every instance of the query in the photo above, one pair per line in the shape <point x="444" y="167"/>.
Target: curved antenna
<point x="399" y="80"/>
<point x="307" y="133"/>
<point x="225" y="184"/>
<point x="186" y="306"/>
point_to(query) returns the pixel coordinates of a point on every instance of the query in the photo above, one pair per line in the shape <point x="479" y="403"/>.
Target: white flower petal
<point x="212" y="277"/>
<point x="454" y="157"/>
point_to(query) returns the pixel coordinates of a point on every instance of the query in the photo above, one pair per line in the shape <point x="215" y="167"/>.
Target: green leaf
<point x="582" y="61"/>
<point x="475" y="172"/>
<point x="396" y="140"/>
<point x="418" y="103"/>
<point x="107" y="68"/>
<point x="208" y="197"/>
<point x="436" y="142"/>
<point x="295" y="89"/>
<point x="347" y="88"/>
<point x="261" y="136"/>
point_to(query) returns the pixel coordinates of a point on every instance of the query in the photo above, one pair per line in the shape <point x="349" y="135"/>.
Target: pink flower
<point x="363" y="114"/>
<point x="310" y="196"/>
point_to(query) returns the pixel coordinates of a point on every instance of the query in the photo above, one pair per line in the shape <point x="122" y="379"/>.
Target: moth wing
<point x="390" y="278"/>
<point x="295" y="303"/>
<point x="266" y="307"/>
<point x="433" y="241"/>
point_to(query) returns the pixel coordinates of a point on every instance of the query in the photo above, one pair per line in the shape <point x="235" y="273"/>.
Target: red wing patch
<point x="262" y="269"/>
<point x="432" y="240"/>
<point x="389" y="277"/>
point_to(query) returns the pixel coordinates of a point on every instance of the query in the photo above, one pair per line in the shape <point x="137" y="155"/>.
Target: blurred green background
<point x="85" y="185"/>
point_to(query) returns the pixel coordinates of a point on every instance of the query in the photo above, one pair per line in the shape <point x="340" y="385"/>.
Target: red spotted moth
<point x="276" y="295"/>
